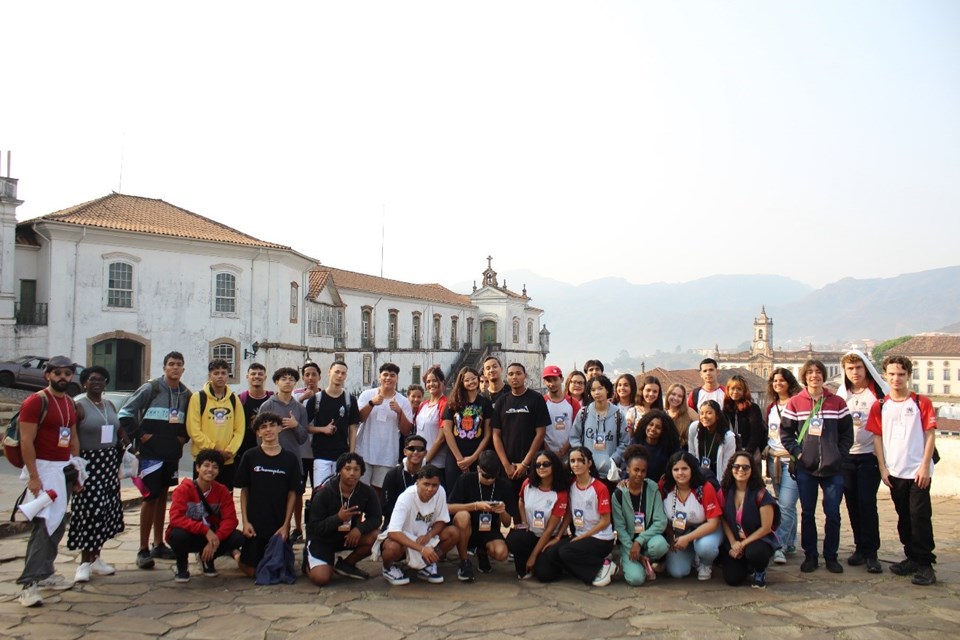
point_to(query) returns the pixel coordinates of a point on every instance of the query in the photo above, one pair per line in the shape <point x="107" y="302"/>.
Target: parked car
<point x="27" y="373"/>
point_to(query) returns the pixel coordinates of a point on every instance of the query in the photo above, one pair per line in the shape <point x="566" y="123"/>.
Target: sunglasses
<point x="484" y="474"/>
<point x="740" y="467"/>
<point x="416" y="449"/>
<point x="543" y="465"/>
<point x="62" y="373"/>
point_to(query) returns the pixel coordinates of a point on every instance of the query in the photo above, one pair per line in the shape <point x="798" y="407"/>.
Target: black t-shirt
<point x="251" y="407"/>
<point x="336" y="409"/>
<point x="468" y="489"/>
<point x="468" y="424"/>
<point x="269" y="479"/>
<point x="518" y="418"/>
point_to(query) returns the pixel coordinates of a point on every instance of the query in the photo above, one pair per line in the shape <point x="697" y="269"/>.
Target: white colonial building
<point x="122" y="280"/>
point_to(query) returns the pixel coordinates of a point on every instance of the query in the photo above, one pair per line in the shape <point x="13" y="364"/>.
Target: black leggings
<point x="184" y="543"/>
<point x="521" y="544"/>
<point x="582" y="559"/>
<point x="756" y="556"/>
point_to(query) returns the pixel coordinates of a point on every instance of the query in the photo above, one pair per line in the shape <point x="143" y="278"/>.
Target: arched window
<point x="529" y="331"/>
<point x="366" y="327"/>
<point x="516" y="330"/>
<point x="226" y="349"/>
<point x="294" y="301"/>
<point x="393" y="329"/>
<point x="417" y="331"/>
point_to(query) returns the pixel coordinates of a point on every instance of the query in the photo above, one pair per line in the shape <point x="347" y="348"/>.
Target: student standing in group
<point x="862" y="388"/>
<point x="711" y="441"/>
<point x="269" y="480"/>
<point x="384" y="413"/>
<point x="493" y="374"/>
<point x="744" y="416"/>
<point x="575" y="387"/>
<point x="711" y="389"/>
<point x="781" y="386"/>
<point x="466" y="424"/>
<point x="562" y="410"/>
<point x="427" y="421"/>
<point x="155" y="416"/>
<point x="542" y="506"/>
<point x="602" y="427"/>
<point x="252" y="399"/>
<point x="585" y="555"/>
<point x="675" y="404"/>
<point x="310" y="374"/>
<point x="519" y="422"/>
<point x="404" y="475"/>
<point x="658" y="435"/>
<point x="904" y="432"/>
<point x="624" y="395"/>
<point x="215" y="419"/>
<point x="415" y="398"/>
<point x="817" y="430"/>
<point x="293" y="433"/>
<point x="332" y="418"/>
<point x="48" y="437"/>
<point x="639" y="520"/>
<point x="648" y="398"/>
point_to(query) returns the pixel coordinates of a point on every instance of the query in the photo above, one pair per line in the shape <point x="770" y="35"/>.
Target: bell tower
<point x="762" y="334"/>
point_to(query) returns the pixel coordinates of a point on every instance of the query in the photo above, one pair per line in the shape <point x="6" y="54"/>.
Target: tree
<point x="883" y="347"/>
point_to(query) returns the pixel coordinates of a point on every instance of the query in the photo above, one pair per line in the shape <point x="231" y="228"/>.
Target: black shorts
<point x="158" y="482"/>
<point x="481" y="538"/>
<point x="306" y="474"/>
<point x="253" y="550"/>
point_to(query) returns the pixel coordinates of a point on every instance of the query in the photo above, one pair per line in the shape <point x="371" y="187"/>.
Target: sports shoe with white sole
<point x="705" y="572"/>
<point x="605" y="575"/>
<point x="56" y="582"/>
<point x="100" y="568"/>
<point x="83" y="573"/>
<point x="30" y="596"/>
<point x="395" y="576"/>
<point x="431" y="574"/>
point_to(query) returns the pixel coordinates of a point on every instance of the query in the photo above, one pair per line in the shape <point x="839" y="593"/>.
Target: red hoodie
<point x="187" y="511"/>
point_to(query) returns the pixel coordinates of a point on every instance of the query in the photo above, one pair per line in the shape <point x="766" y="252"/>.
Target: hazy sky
<point x="657" y="141"/>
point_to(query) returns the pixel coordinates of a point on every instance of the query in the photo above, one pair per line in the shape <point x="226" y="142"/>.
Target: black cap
<point x="58" y="362"/>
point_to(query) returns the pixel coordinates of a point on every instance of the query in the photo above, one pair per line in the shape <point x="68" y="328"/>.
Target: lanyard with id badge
<point x="63" y="431"/>
<point x="486" y="517"/>
<point x="346" y="526"/>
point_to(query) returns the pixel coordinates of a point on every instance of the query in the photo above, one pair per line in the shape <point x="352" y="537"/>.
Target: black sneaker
<point x="809" y="565"/>
<point x="856" y="559"/>
<point x="144" y="559"/>
<point x="296" y="536"/>
<point x="209" y="570"/>
<point x="182" y="577"/>
<point x="162" y="552"/>
<point x="465" y="572"/>
<point x="833" y="566"/>
<point x="483" y="562"/>
<point x="760" y="579"/>
<point x="904" y="568"/>
<point x="873" y="566"/>
<point x="924" y="576"/>
<point x="347" y="570"/>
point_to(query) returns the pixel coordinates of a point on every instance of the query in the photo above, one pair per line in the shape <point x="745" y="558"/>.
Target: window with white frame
<point x="225" y="293"/>
<point x="529" y="331"/>
<point x="324" y="320"/>
<point x="294" y="301"/>
<point x="367" y="369"/>
<point x="120" y="285"/>
<point x="225" y="350"/>
<point x="417" y="333"/>
<point x="516" y="330"/>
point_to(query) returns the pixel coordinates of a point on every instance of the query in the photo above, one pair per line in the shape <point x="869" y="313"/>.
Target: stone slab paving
<point x="148" y="604"/>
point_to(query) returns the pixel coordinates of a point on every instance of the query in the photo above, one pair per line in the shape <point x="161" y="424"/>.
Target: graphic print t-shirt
<point x="468" y="424"/>
<point x="413" y="517"/>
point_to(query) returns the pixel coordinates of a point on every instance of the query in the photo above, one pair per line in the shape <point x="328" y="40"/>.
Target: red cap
<point x="552" y="371"/>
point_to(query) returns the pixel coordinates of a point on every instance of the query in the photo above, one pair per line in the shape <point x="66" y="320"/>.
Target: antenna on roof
<point x="383" y="224"/>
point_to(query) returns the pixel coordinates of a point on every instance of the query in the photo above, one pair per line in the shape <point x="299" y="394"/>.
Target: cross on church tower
<point x="489" y="275"/>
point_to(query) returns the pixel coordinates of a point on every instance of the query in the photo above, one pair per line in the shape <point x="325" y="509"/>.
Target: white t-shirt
<point x="902" y="426"/>
<point x="703" y="395"/>
<point x="377" y="442"/>
<point x="859" y="405"/>
<point x="558" y="431"/>
<point x="586" y="506"/>
<point x="773" y="429"/>
<point x="539" y="505"/>
<point x="413" y="517"/>
<point x="428" y="426"/>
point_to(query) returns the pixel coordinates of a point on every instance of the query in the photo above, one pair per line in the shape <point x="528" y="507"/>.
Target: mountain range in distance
<point x="665" y="324"/>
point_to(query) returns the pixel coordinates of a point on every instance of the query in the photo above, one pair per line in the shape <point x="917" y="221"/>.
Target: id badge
<point x="174" y="416"/>
<point x="705" y="462"/>
<point x="578" y="518"/>
<point x="345" y="526"/>
<point x="486" y="521"/>
<point x="638" y="522"/>
<point x="64" y="440"/>
<point x="599" y="444"/>
<point x="816" y="427"/>
<point x="680" y="521"/>
<point x="539" y="522"/>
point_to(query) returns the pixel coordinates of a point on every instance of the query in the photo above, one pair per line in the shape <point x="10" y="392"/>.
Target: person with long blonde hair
<point x="675" y="404"/>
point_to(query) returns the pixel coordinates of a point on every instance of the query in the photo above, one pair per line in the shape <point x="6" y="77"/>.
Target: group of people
<point x="494" y="469"/>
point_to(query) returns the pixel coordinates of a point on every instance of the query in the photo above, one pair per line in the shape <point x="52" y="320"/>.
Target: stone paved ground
<point x="148" y="604"/>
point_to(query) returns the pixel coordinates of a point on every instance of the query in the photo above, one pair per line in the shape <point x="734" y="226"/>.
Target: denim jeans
<point x="707" y="548"/>
<point x="861" y="480"/>
<point x="809" y="487"/>
<point x="787" y="495"/>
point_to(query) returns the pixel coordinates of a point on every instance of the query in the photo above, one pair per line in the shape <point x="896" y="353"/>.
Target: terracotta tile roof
<point x="25" y="236"/>
<point x="942" y="345"/>
<point x="690" y="378"/>
<point x="374" y="284"/>
<point x="148" y="215"/>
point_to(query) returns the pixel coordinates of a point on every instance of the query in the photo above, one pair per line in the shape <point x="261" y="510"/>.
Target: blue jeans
<point x="809" y="487"/>
<point x="787" y="495"/>
<point x="707" y="548"/>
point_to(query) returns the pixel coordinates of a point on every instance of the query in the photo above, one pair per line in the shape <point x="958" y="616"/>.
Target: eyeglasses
<point x="416" y="449"/>
<point x="544" y="465"/>
<point x="740" y="467"/>
<point x="579" y="383"/>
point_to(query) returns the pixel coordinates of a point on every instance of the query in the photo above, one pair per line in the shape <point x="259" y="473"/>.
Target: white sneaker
<point x="30" y="596"/>
<point x="56" y="582"/>
<point x="779" y="557"/>
<point x="605" y="574"/>
<point x="705" y="572"/>
<point x="395" y="576"/>
<point x="100" y="568"/>
<point x="83" y="573"/>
